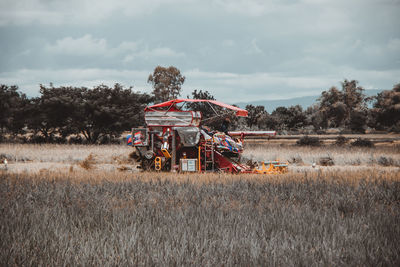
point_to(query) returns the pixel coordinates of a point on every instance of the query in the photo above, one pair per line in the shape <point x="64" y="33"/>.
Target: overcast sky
<point x="239" y="50"/>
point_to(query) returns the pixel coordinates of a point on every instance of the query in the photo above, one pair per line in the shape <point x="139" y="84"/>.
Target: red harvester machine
<point x="175" y="140"/>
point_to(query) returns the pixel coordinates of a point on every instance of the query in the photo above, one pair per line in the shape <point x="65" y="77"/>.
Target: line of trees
<point x="101" y="114"/>
<point x="96" y="115"/>
<point x="346" y="109"/>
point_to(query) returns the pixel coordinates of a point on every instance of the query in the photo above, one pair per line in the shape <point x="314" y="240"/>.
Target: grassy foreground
<point x="89" y="218"/>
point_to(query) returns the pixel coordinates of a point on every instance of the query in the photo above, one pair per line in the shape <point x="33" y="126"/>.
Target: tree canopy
<point x="102" y="113"/>
<point x="386" y="110"/>
<point x="343" y="108"/>
<point x="12" y="109"/>
<point x="99" y="113"/>
<point x="166" y="82"/>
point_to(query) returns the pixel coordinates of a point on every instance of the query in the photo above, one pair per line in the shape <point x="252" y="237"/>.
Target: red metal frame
<point x="222" y="160"/>
<point x="239" y="112"/>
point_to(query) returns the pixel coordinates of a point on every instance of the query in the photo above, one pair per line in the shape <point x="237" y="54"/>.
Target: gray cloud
<point x="235" y="49"/>
<point x="225" y="86"/>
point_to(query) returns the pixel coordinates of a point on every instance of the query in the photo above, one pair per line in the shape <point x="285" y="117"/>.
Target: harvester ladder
<point x="209" y="147"/>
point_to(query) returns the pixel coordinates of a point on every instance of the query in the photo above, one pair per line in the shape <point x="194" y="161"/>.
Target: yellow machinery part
<point x="166" y="153"/>
<point x="274" y="167"/>
<point x="157" y="163"/>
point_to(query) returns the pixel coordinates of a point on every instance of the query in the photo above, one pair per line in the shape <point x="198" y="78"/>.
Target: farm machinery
<point x="175" y="139"/>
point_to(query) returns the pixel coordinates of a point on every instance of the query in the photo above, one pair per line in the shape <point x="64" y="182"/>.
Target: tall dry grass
<point x="64" y="153"/>
<point x="98" y="218"/>
<point x="57" y="156"/>
<point x="342" y="156"/>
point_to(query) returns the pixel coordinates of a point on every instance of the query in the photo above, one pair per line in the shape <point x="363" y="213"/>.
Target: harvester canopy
<point x="170" y="104"/>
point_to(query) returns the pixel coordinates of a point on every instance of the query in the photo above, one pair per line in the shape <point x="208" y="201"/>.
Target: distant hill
<point x="304" y="101"/>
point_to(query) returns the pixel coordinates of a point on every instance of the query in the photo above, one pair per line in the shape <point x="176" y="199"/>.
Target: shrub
<point x="7" y="157"/>
<point x="341" y="140"/>
<point x="88" y="162"/>
<point x="385" y="161"/>
<point x="296" y="160"/>
<point x="75" y="140"/>
<point x="308" y="141"/>
<point x="326" y="161"/>
<point x="363" y="143"/>
<point x="59" y="140"/>
<point x="37" y="139"/>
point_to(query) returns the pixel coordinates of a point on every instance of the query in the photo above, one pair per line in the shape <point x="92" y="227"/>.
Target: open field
<point x="94" y="218"/>
<point x="112" y="158"/>
<point x="86" y="205"/>
<point x="392" y="139"/>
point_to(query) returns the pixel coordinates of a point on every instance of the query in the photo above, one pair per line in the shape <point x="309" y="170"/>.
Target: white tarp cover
<point x="190" y="136"/>
<point x="172" y="118"/>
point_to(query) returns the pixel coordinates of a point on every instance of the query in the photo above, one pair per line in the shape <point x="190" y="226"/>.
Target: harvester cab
<point x="174" y="139"/>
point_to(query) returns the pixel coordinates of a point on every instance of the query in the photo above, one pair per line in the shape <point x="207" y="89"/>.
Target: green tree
<point x="386" y="111"/>
<point x="212" y="115"/>
<point x="106" y="112"/>
<point x="289" y="118"/>
<point x="257" y="116"/>
<point x="205" y="108"/>
<point x="353" y="96"/>
<point x="332" y="107"/>
<point x="53" y="113"/>
<point x="98" y="114"/>
<point x="358" y="120"/>
<point x="341" y="108"/>
<point x="166" y="82"/>
<point x="315" y="117"/>
<point x="12" y="109"/>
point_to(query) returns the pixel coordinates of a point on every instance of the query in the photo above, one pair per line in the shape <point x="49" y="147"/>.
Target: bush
<point x="296" y="160"/>
<point x="59" y="140"/>
<point x="88" y="162"/>
<point x="341" y="140"/>
<point x="384" y="161"/>
<point x="7" y="157"/>
<point x="326" y="161"/>
<point x="75" y="140"/>
<point x="363" y="143"/>
<point x="308" y="141"/>
<point x="106" y="139"/>
<point x="37" y="139"/>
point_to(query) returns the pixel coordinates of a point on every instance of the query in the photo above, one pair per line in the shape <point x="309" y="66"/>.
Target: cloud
<point x="228" y="43"/>
<point x="85" y="45"/>
<point x="28" y="80"/>
<point x="90" y="46"/>
<point x="237" y="49"/>
<point x="394" y="44"/>
<point x="158" y="52"/>
<point x="59" y="12"/>
<point x="235" y="87"/>
<point x="55" y="12"/>
<point x="259" y="80"/>
<point x="225" y="86"/>
<point x="247" y="7"/>
<point x="254" y="48"/>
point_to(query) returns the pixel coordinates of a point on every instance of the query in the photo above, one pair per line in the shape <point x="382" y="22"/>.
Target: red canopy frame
<point x="239" y="112"/>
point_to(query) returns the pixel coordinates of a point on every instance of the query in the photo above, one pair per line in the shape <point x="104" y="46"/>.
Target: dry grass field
<point x="83" y="205"/>
<point x="50" y="157"/>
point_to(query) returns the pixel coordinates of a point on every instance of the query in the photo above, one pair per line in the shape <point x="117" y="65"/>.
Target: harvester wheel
<point x="147" y="164"/>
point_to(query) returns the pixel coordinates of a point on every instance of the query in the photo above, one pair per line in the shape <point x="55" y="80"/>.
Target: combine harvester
<point x="176" y="140"/>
